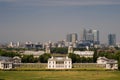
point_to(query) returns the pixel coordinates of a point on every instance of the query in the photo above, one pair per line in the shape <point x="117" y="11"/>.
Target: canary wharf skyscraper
<point x="90" y="35"/>
<point x="112" y="39"/>
<point x="72" y="37"/>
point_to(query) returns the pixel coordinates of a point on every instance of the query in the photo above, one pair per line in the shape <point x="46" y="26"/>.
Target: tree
<point x="59" y="50"/>
<point x="95" y="56"/>
<point x="29" y="59"/>
<point x="44" y="58"/>
<point x="9" y="53"/>
<point x="83" y="60"/>
<point x="119" y="63"/>
<point x="117" y="57"/>
<point x="78" y="59"/>
<point x="73" y="57"/>
<point x="79" y="49"/>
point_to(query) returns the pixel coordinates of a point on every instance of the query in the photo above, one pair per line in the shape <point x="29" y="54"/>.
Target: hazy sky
<point x="43" y="20"/>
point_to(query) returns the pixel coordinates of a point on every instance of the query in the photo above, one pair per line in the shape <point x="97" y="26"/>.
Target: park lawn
<point x="59" y="75"/>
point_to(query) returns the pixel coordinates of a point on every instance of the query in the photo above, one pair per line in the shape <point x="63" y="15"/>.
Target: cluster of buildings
<point x="88" y="37"/>
<point x="56" y="63"/>
<point x="86" y="53"/>
<point x="28" y="45"/>
<point x="66" y="63"/>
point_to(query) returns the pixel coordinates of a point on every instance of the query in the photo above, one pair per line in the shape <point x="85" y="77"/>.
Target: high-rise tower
<point x="112" y="39"/>
<point x="72" y="37"/>
<point x="91" y="36"/>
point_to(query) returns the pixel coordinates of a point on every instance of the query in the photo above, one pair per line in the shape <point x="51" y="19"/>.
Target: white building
<point x="59" y="63"/>
<point x="84" y="53"/>
<point x="109" y="63"/>
<point x="34" y="53"/>
<point x="8" y="62"/>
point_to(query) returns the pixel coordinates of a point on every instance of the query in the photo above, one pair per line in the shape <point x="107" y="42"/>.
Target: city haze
<point x="43" y="20"/>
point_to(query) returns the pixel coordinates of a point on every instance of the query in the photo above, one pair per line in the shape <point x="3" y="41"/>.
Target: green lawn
<point x="59" y="75"/>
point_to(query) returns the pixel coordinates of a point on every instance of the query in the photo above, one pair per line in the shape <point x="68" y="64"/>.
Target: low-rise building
<point x="8" y="62"/>
<point x="34" y="53"/>
<point x="59" y="63"/>
<point x="84" y="53"/>
<point x="110" y="63"/>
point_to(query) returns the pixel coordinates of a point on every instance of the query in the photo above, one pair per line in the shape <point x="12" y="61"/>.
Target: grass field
<point x="59" y="75"/>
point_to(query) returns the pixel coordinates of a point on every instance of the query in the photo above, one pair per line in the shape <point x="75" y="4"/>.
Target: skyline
<point x="44" y="20"/>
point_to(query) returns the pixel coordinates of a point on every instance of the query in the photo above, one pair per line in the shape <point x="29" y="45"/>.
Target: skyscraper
<point x="91" y="36"/>
<point x="72" y="37"/>
<point x="112" y="39"/>
<point x="96" y="36"/>
<point x="68" y="38"/>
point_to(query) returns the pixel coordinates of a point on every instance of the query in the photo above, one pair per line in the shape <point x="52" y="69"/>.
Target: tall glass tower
<point x="72" y="37"/>
<point x="112" y="39"/>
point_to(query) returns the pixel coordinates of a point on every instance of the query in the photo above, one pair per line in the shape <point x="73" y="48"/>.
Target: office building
<point x="96" y="36"/>
<point x="112" y="39"/>
<point x="91" y="36"/>
<point x="72" y="37"/>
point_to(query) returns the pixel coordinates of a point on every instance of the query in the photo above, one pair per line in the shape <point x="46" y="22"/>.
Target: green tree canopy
<point x="8" y="53"/>
<point x="29" y="59"/>
<point x="59" y="50"/>
<point x="44" y="58"/>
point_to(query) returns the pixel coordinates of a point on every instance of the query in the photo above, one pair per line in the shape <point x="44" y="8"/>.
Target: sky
<point x="44" y="20"/>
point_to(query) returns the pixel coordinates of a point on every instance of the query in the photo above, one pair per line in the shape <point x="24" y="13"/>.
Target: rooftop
<point x="59" y="58"/>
